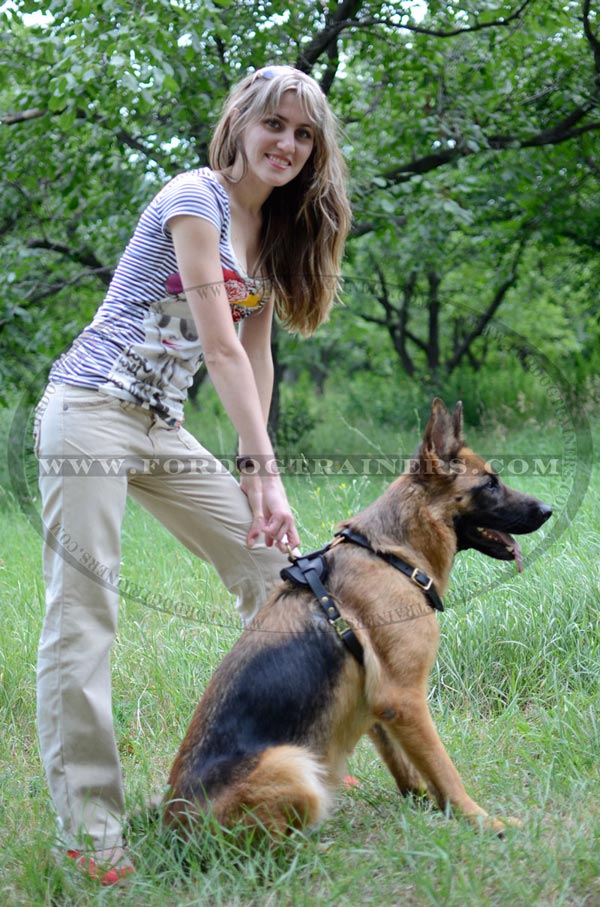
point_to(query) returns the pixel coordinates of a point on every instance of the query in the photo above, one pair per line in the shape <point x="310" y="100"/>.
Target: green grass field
<point x="515" y="695"/>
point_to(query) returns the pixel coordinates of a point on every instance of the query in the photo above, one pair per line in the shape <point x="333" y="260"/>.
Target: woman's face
<point x="279" y="145"/>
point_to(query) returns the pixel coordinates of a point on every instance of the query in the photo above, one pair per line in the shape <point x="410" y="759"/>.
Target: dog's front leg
<point x="404" y="773"/>
<point x="413" y="727"/>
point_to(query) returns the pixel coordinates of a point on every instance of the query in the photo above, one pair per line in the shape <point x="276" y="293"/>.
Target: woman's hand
<point x="271" y="512"/>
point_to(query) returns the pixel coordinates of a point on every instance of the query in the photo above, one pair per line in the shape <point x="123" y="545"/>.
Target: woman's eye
<point x="272" y="123"/>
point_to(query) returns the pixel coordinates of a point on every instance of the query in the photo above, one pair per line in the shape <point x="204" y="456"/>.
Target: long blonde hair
<point x="306" y="222"/>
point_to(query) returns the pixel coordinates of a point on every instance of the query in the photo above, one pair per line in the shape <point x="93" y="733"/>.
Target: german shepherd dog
<point x="269" y="740"/>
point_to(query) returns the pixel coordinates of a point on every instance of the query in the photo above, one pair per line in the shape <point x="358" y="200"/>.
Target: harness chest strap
<point x="419" y="577"/>
<point x="311" y="570"/>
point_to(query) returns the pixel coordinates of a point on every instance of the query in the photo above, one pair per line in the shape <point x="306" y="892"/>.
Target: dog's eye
<point x="492" y="482"/>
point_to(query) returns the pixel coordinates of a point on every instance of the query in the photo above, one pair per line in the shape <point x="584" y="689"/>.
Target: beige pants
<point x="94" y="450"/>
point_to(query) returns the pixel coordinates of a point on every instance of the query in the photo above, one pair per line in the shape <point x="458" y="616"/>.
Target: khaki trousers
<point x="95" y="449"/>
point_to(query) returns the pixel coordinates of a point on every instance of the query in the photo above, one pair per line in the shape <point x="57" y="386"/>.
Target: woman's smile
<point x="278" y="161"/>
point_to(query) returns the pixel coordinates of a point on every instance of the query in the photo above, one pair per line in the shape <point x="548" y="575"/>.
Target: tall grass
<point x="515" y="694"/>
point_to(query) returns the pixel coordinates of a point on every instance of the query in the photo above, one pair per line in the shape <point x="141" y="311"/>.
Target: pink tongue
<point x="518" y="557"/>
<point x="509" y="542"/>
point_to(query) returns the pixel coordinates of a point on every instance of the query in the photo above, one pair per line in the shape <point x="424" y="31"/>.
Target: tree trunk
<point x="433" y="342"/>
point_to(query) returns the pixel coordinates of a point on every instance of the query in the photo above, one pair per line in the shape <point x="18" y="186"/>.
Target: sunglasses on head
<point x="270" y="72"/>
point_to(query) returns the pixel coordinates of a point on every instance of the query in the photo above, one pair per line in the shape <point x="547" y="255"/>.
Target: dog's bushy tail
<point x="285" y="790"/>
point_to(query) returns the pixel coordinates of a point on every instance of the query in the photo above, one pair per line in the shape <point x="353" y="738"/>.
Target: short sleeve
<point x="190" y="193"/>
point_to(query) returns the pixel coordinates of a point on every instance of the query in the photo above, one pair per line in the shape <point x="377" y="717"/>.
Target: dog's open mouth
<point x="506" y="542"/>
<point x="493" y="542"/>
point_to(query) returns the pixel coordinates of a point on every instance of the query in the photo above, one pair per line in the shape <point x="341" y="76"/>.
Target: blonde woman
<point x="214" y="255"/>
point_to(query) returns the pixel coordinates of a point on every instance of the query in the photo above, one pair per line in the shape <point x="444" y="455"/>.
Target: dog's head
<point x="467" y="493"/>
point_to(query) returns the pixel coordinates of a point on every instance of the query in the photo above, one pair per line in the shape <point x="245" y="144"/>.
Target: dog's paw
<point x="501" y="826"/>
<point x="512" y="822"/>
<point x="498" y="827"/>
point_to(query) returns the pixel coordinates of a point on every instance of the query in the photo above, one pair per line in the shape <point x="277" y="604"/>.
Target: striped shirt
<point x="142" y="344"/>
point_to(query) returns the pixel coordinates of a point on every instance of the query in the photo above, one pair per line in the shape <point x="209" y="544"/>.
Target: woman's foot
<point x="110" y="867"/>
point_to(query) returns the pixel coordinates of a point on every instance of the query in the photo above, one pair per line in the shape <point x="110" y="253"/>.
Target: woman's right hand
<point x="272" y="514"/>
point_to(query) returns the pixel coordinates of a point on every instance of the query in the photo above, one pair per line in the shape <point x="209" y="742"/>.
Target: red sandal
<point x="112" y="876"/>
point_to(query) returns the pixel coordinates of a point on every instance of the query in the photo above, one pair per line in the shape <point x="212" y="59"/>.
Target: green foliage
<point x="468" y="128"/>
<point x="297" y="418"/>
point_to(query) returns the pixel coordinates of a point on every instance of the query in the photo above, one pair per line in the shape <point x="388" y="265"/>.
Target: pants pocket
<point x="38" y="415"/>
<point x="79" y="398"/>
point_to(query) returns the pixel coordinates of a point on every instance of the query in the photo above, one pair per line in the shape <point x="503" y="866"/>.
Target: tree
<point x="469" y="131"/>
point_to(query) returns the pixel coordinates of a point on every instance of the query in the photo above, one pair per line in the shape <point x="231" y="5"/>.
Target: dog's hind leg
<point x="407" y="778"/>
<point x="285" y="790"/>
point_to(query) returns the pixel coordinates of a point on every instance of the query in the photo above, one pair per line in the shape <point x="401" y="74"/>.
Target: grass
<point x="515" y="694"/>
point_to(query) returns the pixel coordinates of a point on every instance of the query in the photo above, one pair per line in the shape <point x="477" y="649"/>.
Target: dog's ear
<point x="442" y="438"/>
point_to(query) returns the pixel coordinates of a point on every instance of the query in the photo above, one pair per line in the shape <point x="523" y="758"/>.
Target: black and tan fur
<point x="269" y="741"/>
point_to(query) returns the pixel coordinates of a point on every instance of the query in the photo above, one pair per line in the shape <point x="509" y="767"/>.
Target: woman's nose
<point x="286" y="141"/>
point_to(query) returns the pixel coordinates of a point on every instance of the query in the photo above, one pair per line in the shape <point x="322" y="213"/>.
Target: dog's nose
<point x="544" y="511"/>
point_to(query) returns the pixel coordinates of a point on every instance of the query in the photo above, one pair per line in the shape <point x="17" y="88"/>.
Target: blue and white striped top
<point x="142" y="344"/>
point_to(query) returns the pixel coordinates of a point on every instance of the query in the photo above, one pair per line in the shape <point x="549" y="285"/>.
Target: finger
<point x="276" y="528"/>
<point x="282" y="532"/>
<point x="293" y="537"/>
<point x="256" y="529"/>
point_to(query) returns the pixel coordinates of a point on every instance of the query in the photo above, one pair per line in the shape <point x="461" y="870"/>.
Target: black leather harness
<point x="310" y="570"/>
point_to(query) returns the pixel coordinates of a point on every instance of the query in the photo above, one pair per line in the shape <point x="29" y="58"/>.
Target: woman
<point x="260" y="231"/>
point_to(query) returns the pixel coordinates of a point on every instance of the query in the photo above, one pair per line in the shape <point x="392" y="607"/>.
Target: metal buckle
<point x="424" y="586"/>
<point x="340" y="625"/>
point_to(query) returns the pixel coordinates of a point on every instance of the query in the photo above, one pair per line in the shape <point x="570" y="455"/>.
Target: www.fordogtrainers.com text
<point x="337" y="465"/>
